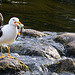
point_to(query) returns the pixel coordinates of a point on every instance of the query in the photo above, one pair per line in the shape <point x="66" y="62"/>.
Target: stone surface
<point x="65" y="37"/>
<point x="35" y="49"/>
<point x="33" y="33"/>
<point x="43" y="66"/>
<point x="63" y="65"/>
<point x="28" y="50"/>
<point x="68" y="40"/>
<point x="12" y="65"/>
<point x="44" y="51"/>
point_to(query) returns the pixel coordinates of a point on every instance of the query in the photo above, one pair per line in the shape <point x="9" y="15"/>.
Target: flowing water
<point x="49" y="16"/>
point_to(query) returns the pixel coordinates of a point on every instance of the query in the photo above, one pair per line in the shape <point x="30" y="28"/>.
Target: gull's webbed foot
<point x="2" y="56"/>
<point x="11" y="57"/>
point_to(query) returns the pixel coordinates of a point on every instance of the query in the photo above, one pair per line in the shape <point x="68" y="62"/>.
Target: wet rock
<point x="71" y="48"/>
<point x="62" y="65"/>
<point x="35" y="64"/>
<point x="8" y="65"/>
<point x="1" y="19"/>
<point x="36" y="50"/>
<point x="46" y="51"/>
<point x="34" y="47"/>
<point x="65" y="38"/>
<point x="43" y="66"/>
<point x="33" y="33"/>
<point x="68" y="40"/>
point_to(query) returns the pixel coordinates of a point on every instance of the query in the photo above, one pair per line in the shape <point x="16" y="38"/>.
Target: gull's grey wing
<point x="1" y="33"/>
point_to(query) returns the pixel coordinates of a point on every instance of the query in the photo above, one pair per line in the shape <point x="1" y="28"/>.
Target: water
<point x="37" y="64"/>
<point x="49" y="16"/>
<point x="43" y="15"/>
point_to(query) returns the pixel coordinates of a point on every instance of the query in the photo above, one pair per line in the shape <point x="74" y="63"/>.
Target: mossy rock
<point x="60" y="39"/>
<point x="68" y="41"/>
<point x="9" y="65"/>
<point x="63" y="65"/>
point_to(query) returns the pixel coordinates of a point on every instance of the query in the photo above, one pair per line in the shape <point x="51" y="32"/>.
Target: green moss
<point x="57" y="62"/>
<point x="23" y="66"/>
<point x="59" y="39"/>
<point x="7" y="68"/>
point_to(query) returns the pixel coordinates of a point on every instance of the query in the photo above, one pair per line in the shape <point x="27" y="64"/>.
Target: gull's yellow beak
<point x="20" y="26"/>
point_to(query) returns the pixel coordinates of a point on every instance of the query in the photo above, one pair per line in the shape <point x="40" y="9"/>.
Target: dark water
<point x="43" y="15"/>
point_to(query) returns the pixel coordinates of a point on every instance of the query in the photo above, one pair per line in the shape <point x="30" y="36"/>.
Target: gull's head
<point x="15" y="21"/>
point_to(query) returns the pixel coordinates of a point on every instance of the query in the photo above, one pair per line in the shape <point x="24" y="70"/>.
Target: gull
<point x="9" y="32"/>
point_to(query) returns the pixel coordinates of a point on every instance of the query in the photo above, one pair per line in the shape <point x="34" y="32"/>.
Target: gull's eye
<point x="13" y="19"/>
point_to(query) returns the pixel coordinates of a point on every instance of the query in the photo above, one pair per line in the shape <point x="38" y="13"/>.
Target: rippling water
<point x="34" y="62"/>
<point x="43" y="15"/>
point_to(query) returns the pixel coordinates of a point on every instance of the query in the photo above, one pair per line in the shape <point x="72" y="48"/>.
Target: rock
<point x="34" y="47"/>
<point x="68" y="40"/>
<point x="33" y="33"/>
<point x="63" y="65"/>
<point x="48" y="52"/>
<point x="8" y="65"/>
<point x="43" y="66"/>
<point x="70" y="48"/>
<point x="35" y="64"/>
<point x="36" y="50"/>
<point x="67" y="64"/>
<point x="1" y="19"/>
<point x="65" y="38"/>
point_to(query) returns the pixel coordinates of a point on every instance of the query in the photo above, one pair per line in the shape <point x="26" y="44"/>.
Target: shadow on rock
<point x="68" y="40"/>
<point x="12" y="66"/>
<point x="63" y="65"/>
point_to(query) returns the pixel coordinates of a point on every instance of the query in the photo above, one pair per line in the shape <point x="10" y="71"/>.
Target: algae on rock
<point x="8" y="65"/>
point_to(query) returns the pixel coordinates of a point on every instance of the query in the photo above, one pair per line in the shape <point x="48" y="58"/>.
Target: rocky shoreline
<point x="11" y="65"/>
<point x="68" y="39"/>
<point x="45" y="55"/>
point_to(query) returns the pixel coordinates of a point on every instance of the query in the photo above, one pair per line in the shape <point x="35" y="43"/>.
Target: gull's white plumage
<point x="8" y="34"/>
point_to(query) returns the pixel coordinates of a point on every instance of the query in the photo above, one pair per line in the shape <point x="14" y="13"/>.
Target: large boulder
<point x="46" y="51"/>
<point x="33" y="33"/>
<point x="68" y="40"/>
<point x="32" y="48"/>
<point x="36" y="50"/>
<point x="65" y="37"/>
<point x="63" y="65"/>
<point x="11" y="65"/>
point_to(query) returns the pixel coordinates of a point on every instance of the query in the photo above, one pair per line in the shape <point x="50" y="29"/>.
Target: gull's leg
<point x="18" y="33"/>
<point x="9" y="52"/>
<point x="2" y="56"/>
